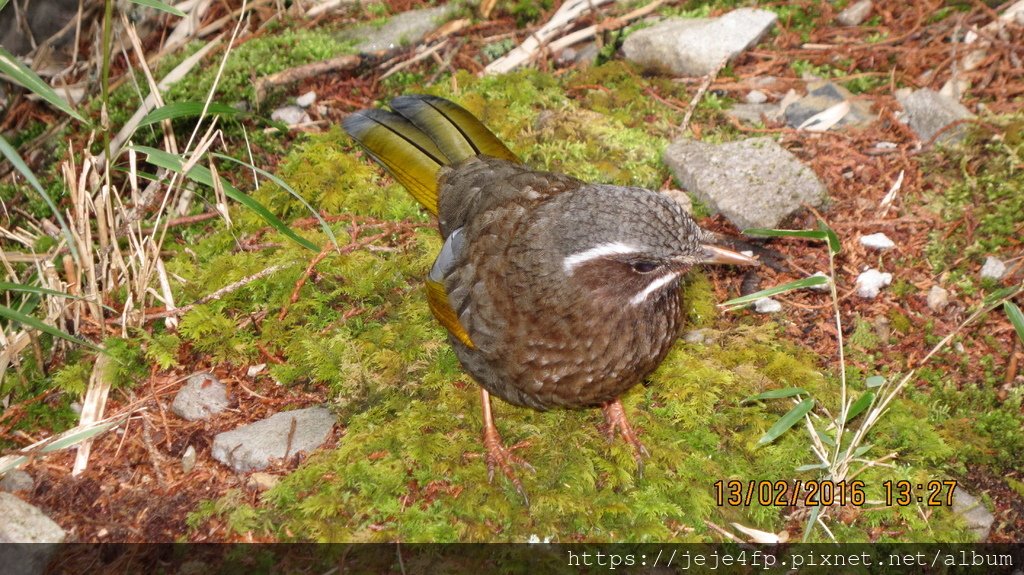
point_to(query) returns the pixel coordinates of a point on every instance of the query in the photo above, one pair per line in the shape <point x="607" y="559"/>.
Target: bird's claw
<point x="498" y="455"/>
<point x="617" y="424"/>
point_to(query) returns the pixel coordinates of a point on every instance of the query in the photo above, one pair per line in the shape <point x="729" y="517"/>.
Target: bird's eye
<point x="644" y="267"/>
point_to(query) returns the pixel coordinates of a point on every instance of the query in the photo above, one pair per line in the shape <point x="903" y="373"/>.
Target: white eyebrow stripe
<point x="599" y="251"/>
<point x="653" y="287"/>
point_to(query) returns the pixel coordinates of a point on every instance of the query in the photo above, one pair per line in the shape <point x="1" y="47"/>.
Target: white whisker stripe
<point x="599" y="251"/>
<point x="653" y="287"/>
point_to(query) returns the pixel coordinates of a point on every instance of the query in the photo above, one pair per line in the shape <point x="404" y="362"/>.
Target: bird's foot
<point x="615" y="417"/>
<point x="499" y="456"/>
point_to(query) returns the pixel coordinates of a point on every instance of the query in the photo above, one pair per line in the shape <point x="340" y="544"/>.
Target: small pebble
<point x="767" y="305"/>
<point x="886" y="145"/>
<point x="938" y="298"/>
<point x="877" y="241"/>
<point x="291" y="115"/>
<point x="993" y="269"/>
<point x="871" y="282"/>
<point x="188" y="460"/>
<point x="855" y="14"/>
<point x="756" y="97"/>
<point x="254" y="370"/>
<point x="306" y="100"/>
<point x="261" y="481"/>
<point x="695" y="336"/>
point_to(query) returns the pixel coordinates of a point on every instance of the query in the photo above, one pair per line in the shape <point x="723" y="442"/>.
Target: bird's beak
<point x="718" y="255"/>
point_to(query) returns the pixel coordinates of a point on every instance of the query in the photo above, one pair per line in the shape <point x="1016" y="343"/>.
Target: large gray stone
<point x="25" y="523"/>
<point x="755" y="183"/>
<point x="696" y="46"/>
<point x="405" y="29"/>
<point x="929" y="111"/>
<point x="252" y="447"/>
<point x="201" y="397"/>
<point x="973" y="511"/>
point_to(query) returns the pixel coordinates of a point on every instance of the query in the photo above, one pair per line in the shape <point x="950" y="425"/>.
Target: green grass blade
<point x="14" y="158"/>
<point x="26" y="78"/>
<point x="860" y="405"/>
<point x="284" y="185"/>
<point x="811" y="466"/>
<point x="1016" y="318"/>
<point x="35" y="323"/>
<point x="776" y="394"/>
<point x="1000" y="294"/>
<point x="79" y="436"/>
<point x="833" y="239"/>
<point x="160" y="6"/>
<point x="186" y="110"/>
<point x="786" y="421"/>
<point x="8" y="286"/>
<point x="202" y="175"/>
<point x="795" y="285"/>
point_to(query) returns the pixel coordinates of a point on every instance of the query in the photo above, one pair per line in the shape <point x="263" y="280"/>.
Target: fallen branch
<point x="565" y="17"/>
<point x="305" y="71"/>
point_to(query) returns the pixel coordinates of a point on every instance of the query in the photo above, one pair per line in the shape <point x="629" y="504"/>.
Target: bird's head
<point x="629" y="245"/>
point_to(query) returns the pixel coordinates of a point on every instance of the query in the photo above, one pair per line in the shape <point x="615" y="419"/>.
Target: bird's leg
<point x="497" y="454"/>
<point x="615" y="416"/>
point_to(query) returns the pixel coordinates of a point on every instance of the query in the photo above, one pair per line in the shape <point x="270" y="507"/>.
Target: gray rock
<point x="405" y="29"/>
<point x="938" y="298"/>
<point x="767" y="305"/>
<point x="870" y="283"/>
<point x="252" y="447"/>
<point x="200" y="398"/>
<point x="973" y="512"/>
<point x="755" y="183"/>
<point x="751" y="113"/>
<point x="756" y="97"/>
<point x="994" y="269"/>
<point x="696" y="46"/>
<point x="823" y="95"/>
<point x="24" y="523"/>
<point x="291" y="115"/>
<point x="855" y="13"/>
<point x="17" y="480"/>
<point x="877" y="241"/>
<point x="928" y="111"/>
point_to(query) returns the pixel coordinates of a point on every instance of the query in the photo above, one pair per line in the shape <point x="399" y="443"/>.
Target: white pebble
<point x="291" y="115"/>
<point x="993" y="269"/>
<point x="871" y="282"/>
<point x="938" y="298"/>
<point x="756" y="97"/>
<point x="306" y="100"/>
<point x="877" y="241"/>
<point x="767" y="305"/>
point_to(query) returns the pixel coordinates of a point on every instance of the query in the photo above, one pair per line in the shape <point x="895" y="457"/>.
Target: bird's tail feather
<point x="421" y="135"/>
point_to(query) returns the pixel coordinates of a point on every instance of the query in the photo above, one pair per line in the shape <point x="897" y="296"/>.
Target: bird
<point x="555" y="293"/>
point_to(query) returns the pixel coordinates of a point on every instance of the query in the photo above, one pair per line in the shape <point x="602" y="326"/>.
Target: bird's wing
<point x="437" y="295"/>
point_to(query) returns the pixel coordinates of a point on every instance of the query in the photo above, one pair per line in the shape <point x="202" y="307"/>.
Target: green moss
<point x="985" y="189"/>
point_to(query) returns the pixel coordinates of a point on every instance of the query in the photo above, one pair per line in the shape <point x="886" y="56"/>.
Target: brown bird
<point x="554" y="292"/>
